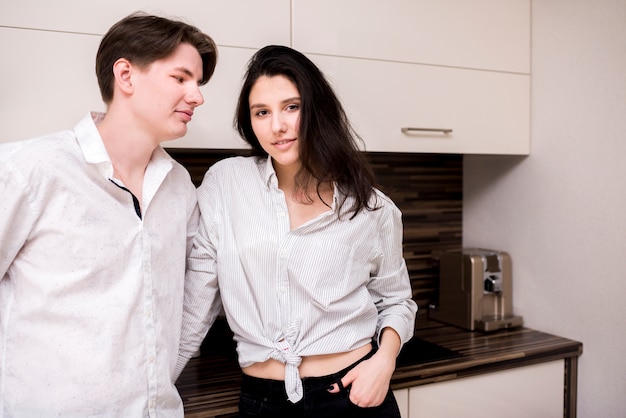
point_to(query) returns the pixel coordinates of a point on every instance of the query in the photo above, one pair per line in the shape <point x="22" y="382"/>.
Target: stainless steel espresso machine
<point x="475" y="290"/>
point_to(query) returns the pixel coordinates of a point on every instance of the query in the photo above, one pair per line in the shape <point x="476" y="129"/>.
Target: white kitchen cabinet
<point x="487" y="112"/>
<point x="62" y="87"/>
<point x="48" y="74"/>
<point x="230" y="23"/>
<point x="482" y="34"/>
<point x="402" y="397"/>
<point x="451" y="65"/>
<point x="47" y="81"/>
<point x="529" y="391"/>
<point x="444" y="64"/>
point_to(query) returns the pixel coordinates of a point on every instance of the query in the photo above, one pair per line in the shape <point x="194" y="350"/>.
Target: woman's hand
<point x="370" y="378"/>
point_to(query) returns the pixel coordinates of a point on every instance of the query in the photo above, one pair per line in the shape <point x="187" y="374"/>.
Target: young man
<point x="95" y="226"/>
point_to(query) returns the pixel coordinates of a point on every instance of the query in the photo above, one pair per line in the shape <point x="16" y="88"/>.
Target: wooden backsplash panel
<point x="428" y="189"/>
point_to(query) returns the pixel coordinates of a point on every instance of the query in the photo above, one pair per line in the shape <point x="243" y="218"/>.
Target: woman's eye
<point x="261" y="113"/>
<point x="293" y="107"/>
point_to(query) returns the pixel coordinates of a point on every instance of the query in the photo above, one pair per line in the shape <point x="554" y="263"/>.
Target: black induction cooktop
<point x="417" y="351"/>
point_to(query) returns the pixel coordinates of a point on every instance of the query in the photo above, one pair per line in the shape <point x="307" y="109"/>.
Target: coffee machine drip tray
<point x="494" y="322"/>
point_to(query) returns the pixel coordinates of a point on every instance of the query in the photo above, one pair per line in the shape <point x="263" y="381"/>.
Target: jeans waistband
<point x="271" y="387"/>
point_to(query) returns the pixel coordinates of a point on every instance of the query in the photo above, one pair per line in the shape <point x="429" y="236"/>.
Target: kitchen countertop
<point x="209" y="385"/>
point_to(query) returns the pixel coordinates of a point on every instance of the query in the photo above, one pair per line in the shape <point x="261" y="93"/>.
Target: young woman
<point x="304" y="253"/>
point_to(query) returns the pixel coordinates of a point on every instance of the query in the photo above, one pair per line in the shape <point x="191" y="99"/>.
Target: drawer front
<point x="487" y="112"/>
<point x="530" y="391"/>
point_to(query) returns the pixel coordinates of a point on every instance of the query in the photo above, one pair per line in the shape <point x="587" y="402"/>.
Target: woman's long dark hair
<point x="327" y="142"/>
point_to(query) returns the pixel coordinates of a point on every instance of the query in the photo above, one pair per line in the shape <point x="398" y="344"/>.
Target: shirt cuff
<point x="180" y="365"/>
<point x="398" y="324"/>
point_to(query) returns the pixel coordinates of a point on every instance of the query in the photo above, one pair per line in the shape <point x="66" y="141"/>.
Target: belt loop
<point x="340" y="384"/>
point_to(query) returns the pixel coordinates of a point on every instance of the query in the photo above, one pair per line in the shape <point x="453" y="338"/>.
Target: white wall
<point x="561" y="212"/>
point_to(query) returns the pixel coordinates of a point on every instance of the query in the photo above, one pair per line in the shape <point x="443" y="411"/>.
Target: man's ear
<point x="122" y="70"/>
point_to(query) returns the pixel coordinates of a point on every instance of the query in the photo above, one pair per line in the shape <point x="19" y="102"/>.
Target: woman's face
<point x="275" y="118"/>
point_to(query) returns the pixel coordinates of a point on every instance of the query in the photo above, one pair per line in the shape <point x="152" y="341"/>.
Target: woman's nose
<point x="278" y="124"/>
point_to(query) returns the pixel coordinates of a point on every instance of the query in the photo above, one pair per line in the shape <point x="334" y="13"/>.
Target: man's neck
<point x="129" y="149"/>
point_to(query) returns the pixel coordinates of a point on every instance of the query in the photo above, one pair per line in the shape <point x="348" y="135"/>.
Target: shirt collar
<point x="158" y="168"/>
<point x="269" y="175"/>
<point x="95" y="153"/>
<point x="91" y="143"/>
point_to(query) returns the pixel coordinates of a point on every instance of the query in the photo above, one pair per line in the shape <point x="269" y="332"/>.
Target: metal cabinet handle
<point x="442" y="130"/>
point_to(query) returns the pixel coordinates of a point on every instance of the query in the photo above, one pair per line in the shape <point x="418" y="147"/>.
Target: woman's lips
<point x="283" y="143"/>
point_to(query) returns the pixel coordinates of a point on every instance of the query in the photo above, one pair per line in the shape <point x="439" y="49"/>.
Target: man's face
<point x="166" y="93"/>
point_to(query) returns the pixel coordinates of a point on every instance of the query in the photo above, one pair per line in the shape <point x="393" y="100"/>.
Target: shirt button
<point x="282" y="290"/>
<point x="281" y="214"/>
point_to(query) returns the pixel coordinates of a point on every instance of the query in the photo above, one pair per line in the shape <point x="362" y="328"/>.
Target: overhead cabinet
<point x="240" y="24"/>
<point x="433" y="76"/>
<point x="426" y="76"/>
<point x="480" y="34"/>
<point x="46" y="44"/>
<point x="399" y="107"/>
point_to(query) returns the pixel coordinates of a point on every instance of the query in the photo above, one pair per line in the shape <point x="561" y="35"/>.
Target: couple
<point x="294" y="242"/>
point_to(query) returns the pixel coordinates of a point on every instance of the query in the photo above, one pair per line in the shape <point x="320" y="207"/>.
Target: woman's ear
<point x="122" y="70"/>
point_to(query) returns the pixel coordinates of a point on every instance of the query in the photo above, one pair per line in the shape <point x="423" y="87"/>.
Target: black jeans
<point x="267" y="398"/>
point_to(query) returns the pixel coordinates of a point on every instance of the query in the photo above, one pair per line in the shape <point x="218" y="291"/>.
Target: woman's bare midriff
<point x="311" y="366"/>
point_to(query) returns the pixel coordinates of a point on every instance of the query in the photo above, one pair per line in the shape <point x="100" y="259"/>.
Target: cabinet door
<point x="49" y="55"/>
<point x="486" y="34"/>
<point x="62" y="93"/>
<point x="531" y="391"/>
<point x="488" y="112"/>
<point x="402" y="397"/>
<point x="47" y="81"/>
<point x="252" y="25"/>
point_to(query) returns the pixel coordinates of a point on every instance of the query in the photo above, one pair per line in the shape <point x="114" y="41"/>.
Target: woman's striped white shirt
<point x="328" y="286"/>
